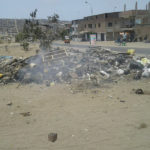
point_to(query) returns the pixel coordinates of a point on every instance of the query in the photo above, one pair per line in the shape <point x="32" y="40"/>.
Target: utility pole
<point x="91" y="8"/>
<point x="125" y="7"/>
<point x="136" y="5"/>
<point x="146" y="7"/>
<point x="16" y="26"/>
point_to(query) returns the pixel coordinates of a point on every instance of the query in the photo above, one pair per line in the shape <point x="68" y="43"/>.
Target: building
<point x="75" y="30"/>
<point x="128" y="22"/>
<point x="103" y="25"/>
<point x="142" y="27"/>
<point x="108" y="26"/>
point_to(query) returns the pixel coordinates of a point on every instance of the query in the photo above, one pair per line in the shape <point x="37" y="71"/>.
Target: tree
<point x="34" y="31"/>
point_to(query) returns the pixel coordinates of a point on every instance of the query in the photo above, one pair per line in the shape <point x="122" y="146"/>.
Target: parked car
<point x="67" y="39"/>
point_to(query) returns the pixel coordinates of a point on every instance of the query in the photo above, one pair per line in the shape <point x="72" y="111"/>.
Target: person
<point x="124" y="37"/>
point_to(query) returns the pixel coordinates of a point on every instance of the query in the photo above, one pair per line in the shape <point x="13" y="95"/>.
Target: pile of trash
<point x="65" y="65"/>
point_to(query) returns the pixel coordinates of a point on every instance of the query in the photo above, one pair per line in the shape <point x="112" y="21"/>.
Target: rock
<point x="52" y="137"/>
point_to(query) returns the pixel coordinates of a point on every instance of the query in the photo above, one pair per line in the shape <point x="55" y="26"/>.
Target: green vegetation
<point x="34" y="31"/>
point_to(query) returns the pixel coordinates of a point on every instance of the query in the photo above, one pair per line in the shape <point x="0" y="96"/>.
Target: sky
<point x="66" y="9"/>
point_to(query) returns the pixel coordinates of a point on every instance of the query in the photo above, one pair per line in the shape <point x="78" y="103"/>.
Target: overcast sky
<point x="67" y="9"/>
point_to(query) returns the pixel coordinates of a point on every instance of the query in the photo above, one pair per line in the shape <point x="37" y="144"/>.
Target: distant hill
<point x="13" y="26"/>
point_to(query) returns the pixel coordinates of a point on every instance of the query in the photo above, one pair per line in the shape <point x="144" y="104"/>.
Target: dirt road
<point x="106" y="118"/>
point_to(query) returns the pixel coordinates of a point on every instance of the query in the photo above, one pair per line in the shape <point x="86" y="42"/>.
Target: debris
<point x="139" y="91"/>
<point x="145" y="61"/>
<point x="146" y="73"/>
<point x="142" y="126"/>
<point x="138" y="75"/>
<point x="9" y="104"/>
<point x="52" y="137"/>
<point x="120" y="72"/>
<point x="136" y="65"/>
<point x="52" y="84"/>
<point x="32" y="65"/>
<point x="131" y="51"/>
<point x="97" y="64"/>
<point x="122" y="101"/>
<point x="47" y="83"/>
<point x="1" y="75"/>
<point x="105" y="74"/>
<point x="25" y="114"/>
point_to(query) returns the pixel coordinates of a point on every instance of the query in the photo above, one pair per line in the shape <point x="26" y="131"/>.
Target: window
<point x="95" y="25"/>
<point x="96" y="17"/>
<point x="110" y="24"/>
<point x="90" y="26"/>
<point x="99" y="25"/>
<point x="106" y="15"/>
<point x="85" y="26"/>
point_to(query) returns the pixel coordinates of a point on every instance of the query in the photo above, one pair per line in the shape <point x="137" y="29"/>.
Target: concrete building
<point x="108" y="26"/>
<point x="76" y="28"/>
<point x="128" y="22"/>
<point x="142" y="27"/>
<point x="103" y="25"/>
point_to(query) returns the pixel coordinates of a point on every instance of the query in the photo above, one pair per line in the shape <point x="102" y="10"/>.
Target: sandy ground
<point x="14" y="49"/>
<point x="106" y="118"/>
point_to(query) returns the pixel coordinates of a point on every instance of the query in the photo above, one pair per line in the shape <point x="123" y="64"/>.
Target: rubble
<point x="65" y="65"/>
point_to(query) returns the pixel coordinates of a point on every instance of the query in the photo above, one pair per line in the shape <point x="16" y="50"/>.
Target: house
<point x="108" y="26"/>
<point x="142" y="27"/>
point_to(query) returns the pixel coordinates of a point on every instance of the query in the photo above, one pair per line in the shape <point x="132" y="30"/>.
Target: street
<point x="145" y="51"/>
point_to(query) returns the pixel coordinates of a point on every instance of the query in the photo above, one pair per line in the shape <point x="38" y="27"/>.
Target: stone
<point x="52" y="137"/>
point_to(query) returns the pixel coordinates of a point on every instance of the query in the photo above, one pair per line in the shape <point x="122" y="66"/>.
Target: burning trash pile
<point x="65" y="65"/>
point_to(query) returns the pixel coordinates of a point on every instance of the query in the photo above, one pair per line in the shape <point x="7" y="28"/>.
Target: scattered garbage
<point x="120" y="72"/>
<point x="142" y="126"/>
<point x="136" y="65"/>
<point x="9" y="104"/>
<point x="145" y="61"/>
<point x="66" y="65"/>
<point x="131" y="51"/>
<point x="139" y="91"/>
<point x="25" y="114"/>
<point x="146" y="73"/>
<point x="1" y="75"/>
<point x="122" y="101"/>
<point x="52" y="137"/>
